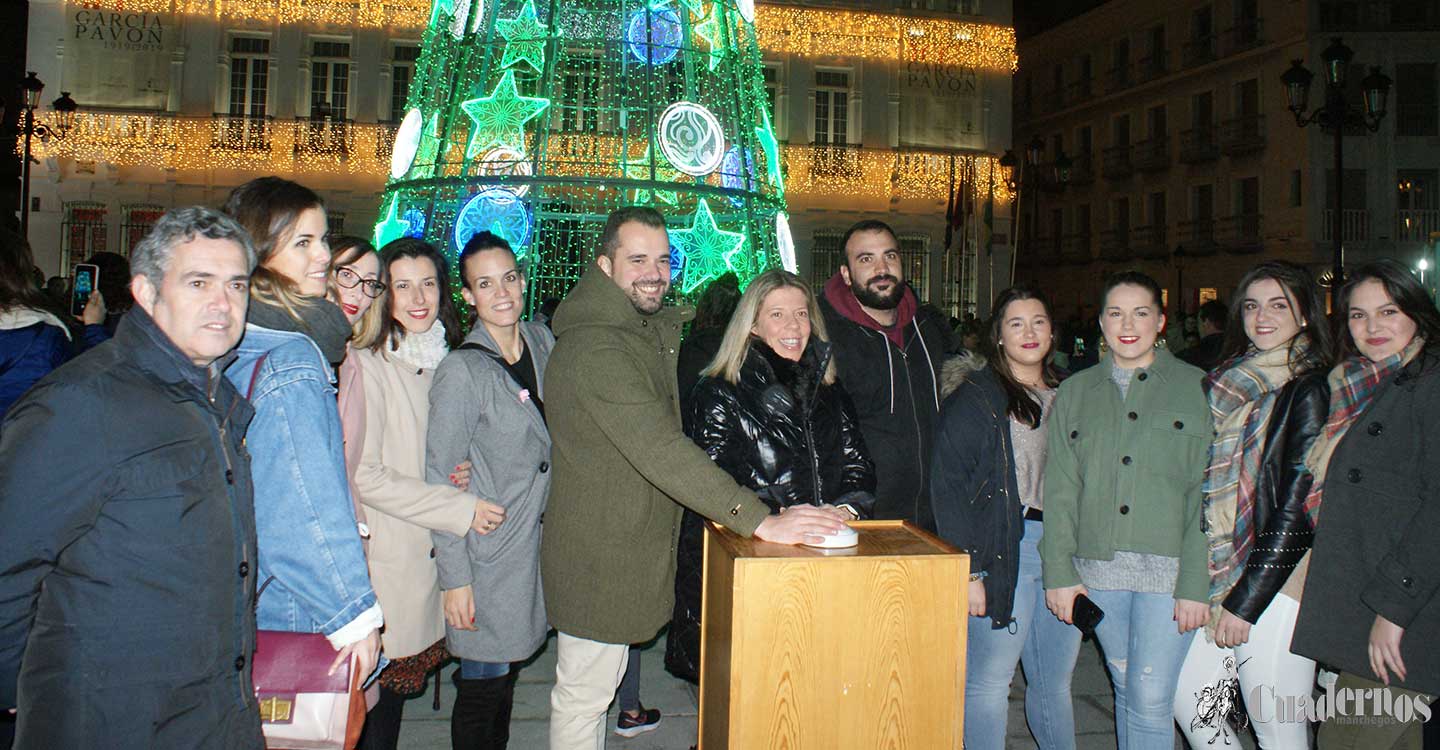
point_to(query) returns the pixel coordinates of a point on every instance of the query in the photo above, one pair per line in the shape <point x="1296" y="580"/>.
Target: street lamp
<point x="1334" y="116"/>
<point x="64" y="121"/>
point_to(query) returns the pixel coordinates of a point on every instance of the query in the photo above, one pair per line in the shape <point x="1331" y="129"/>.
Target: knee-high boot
<point x="481" y="718"/>
<point x="382" y="724"/>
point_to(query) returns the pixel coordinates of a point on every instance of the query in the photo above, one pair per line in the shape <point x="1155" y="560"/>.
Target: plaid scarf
<point x="1242" y="395"/>
<point x="1353" y="385"/>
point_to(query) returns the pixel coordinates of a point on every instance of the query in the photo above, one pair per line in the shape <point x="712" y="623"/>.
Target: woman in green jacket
<point x="1128" y="444"/>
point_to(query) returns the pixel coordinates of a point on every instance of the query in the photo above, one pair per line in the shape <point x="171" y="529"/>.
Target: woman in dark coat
<point x="770" y="412"/>
<point x="1369" y="607"/>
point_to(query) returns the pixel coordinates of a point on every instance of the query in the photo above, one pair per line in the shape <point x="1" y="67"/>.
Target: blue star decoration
<point x="709" y="250"/>
<point x="500" y="118"/>
<point x="389" y="227"/>
<point x="526" y="38"/>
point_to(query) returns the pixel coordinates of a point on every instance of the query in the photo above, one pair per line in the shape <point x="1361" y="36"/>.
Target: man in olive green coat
<point x="622" y="463"/>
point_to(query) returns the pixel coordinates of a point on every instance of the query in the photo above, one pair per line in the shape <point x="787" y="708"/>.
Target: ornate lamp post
<point x="65" y="120"/>
<point x="1335" y="115"/>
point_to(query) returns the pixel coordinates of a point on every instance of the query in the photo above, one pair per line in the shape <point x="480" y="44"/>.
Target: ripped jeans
<point x="1143" y="654"/>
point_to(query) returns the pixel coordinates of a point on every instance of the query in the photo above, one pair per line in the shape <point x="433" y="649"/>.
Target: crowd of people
<point x="304" y="433"/>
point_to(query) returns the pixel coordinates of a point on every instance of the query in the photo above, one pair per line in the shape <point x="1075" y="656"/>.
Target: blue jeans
<point x="483" y="670"/>
<point x="1143" y="653"/>
<point x="1046" y="647"/>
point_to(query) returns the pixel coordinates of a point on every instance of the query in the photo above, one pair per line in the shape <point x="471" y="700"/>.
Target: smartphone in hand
<point x="82" y="286"/>
<point x="1086" y="614"/>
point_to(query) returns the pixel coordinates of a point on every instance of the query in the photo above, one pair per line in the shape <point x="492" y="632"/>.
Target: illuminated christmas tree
<point x="535" y="118"/>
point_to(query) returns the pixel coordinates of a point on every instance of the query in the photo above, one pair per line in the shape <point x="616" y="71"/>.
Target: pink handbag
<point x="301" y="707"/>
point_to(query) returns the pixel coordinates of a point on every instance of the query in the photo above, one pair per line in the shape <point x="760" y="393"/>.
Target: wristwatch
<point x="977" y="576"/>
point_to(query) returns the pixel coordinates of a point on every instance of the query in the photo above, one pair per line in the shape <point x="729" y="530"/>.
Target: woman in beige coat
<point x="397" y="367"/>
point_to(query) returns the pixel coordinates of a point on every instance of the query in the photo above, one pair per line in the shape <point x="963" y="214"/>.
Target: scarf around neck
<point x="1354" y="383"/>
<point x="423" y="350"/>
<point x="1242" y="395"/>
<point x="321" y="320"/>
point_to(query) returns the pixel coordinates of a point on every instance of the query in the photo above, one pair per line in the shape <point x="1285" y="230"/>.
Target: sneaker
<point x="632" y="726"/>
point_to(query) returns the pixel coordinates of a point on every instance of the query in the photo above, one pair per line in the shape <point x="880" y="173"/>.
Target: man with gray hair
<point x="127" y="530"/>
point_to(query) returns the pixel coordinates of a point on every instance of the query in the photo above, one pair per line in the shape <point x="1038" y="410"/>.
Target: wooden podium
<point x="861" y="648"/>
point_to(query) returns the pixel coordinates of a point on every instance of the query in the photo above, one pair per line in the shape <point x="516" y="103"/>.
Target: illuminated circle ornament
<point x="415" y="219"/>
<point x="785" y="242"/>
<point x="737" y="171"/>
<point x="505" y="161"/>
<point x="664" y="39"/>
<point x="691" y="139"/>
<point x="747" y="10"/>
<point x="407" y="143"/>
<point x="459" y="18"/>
<point x="496" y="210"/>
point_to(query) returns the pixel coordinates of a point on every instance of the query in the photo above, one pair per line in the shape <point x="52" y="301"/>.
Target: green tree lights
<point x="535" y="118"/>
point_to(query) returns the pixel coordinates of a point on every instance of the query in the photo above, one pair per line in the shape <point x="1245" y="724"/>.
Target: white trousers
<point x="586" y="675"/>
<point x="1272" y="682"/>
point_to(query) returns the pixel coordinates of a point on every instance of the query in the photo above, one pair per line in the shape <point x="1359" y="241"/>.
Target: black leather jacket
<point x="1283" y="533"/>
<point x="786" y="435"/>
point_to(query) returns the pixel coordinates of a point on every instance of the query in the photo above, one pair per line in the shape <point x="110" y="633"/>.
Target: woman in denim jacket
<point x="310" y="559"/>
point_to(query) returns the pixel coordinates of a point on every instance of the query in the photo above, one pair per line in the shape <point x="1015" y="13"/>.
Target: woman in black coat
<point x="770" y="412"/>
<point x="1370" y="607"/>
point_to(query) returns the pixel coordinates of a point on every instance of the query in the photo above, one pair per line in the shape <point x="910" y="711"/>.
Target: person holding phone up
<point x="1127" y="447"/>
<point x="986" y="481"/>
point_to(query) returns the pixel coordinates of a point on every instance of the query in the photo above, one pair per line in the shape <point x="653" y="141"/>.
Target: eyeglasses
<point x="347" y="278"/>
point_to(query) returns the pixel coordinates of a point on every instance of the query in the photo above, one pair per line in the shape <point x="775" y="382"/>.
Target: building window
<point x="334" y="223"/>
<point x="136" y="222"/>
<point x="404" y="72"/>
<point x="771" y="72"/>
<point x="1415" y="100"/>
<point x="330" y="79"/>
<point x="832" y="105"/>
<point x="83" y="232"/>
<point x="915" y="262"/>
<point x="249" y="75"/>
<point x="1416" y="199"/>
<point x="826" y="256"/>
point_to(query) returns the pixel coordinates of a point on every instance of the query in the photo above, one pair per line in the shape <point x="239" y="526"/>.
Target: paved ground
<point x="430" y="730"/>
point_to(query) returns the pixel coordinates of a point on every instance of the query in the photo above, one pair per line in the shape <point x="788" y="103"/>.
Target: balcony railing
<point x="241" y="133"/>
<point x="1075" y="248"/>
<point x="1082" y="171"/>
<point x="1241" y="233"/>
<point x="1245" y="34"/>
<point x="1199" y="144"/>
<point x="324" y="136"/>
<point x="1154" y="65"/>
<point x="1417" y="119"/>
<point x="1116" y="164"/>
<point x="1416" y="224"/>
<point x="1197" y="236"/>
<point x="1118" y="78"/>
<point x="1152" y="154"/>
<point x="830" y="162"/>
<point x="1198" y="51"/>
<point x="1149" y="242"/>
<point x="1379" y="15"/>
<point x="1115" y="244"/>
<point x="1354" y="225"/>
<point x="1243" y="135"/>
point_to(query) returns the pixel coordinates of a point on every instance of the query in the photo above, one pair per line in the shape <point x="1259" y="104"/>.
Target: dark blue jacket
<point x="30" y="352"/>
<point x="127" y="548"/>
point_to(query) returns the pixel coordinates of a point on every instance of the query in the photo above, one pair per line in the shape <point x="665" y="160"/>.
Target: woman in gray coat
<point x="486" y="405"/>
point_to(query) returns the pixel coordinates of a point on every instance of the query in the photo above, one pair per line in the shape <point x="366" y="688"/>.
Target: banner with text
<point x="940" y="106"/>
<point x="118" y="58"/>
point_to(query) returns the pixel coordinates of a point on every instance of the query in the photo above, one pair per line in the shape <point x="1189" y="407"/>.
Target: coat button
<point x="230" y="473"/>
<point x="1407" y="582"/>
<point x="244" y="569"/>
<point x="1126" y="460"/>
<point x="239" y="664"/>
<point x="1133" y="416"/>
<point x="1179" y="425"/>
<point x="432" y="553"/>
<point x="1375" y="428"/>
<point x="1124" y="509"/>
<point x="1074" y="434"/>
<point x="544" y="466"/>
<point x="1142" y="376"/>
<point x="1354" y="476"/>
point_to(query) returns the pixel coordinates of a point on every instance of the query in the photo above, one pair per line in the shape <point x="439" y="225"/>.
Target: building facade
<point x="883" y="112"/>
<point x="1188" y="164"/>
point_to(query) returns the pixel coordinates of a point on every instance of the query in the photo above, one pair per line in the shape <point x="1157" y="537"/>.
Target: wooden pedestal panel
<point x="861" y="648"/>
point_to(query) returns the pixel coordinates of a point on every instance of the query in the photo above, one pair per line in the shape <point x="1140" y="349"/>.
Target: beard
<point x="644" y="303"/>
<point x="878" y="300"/>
